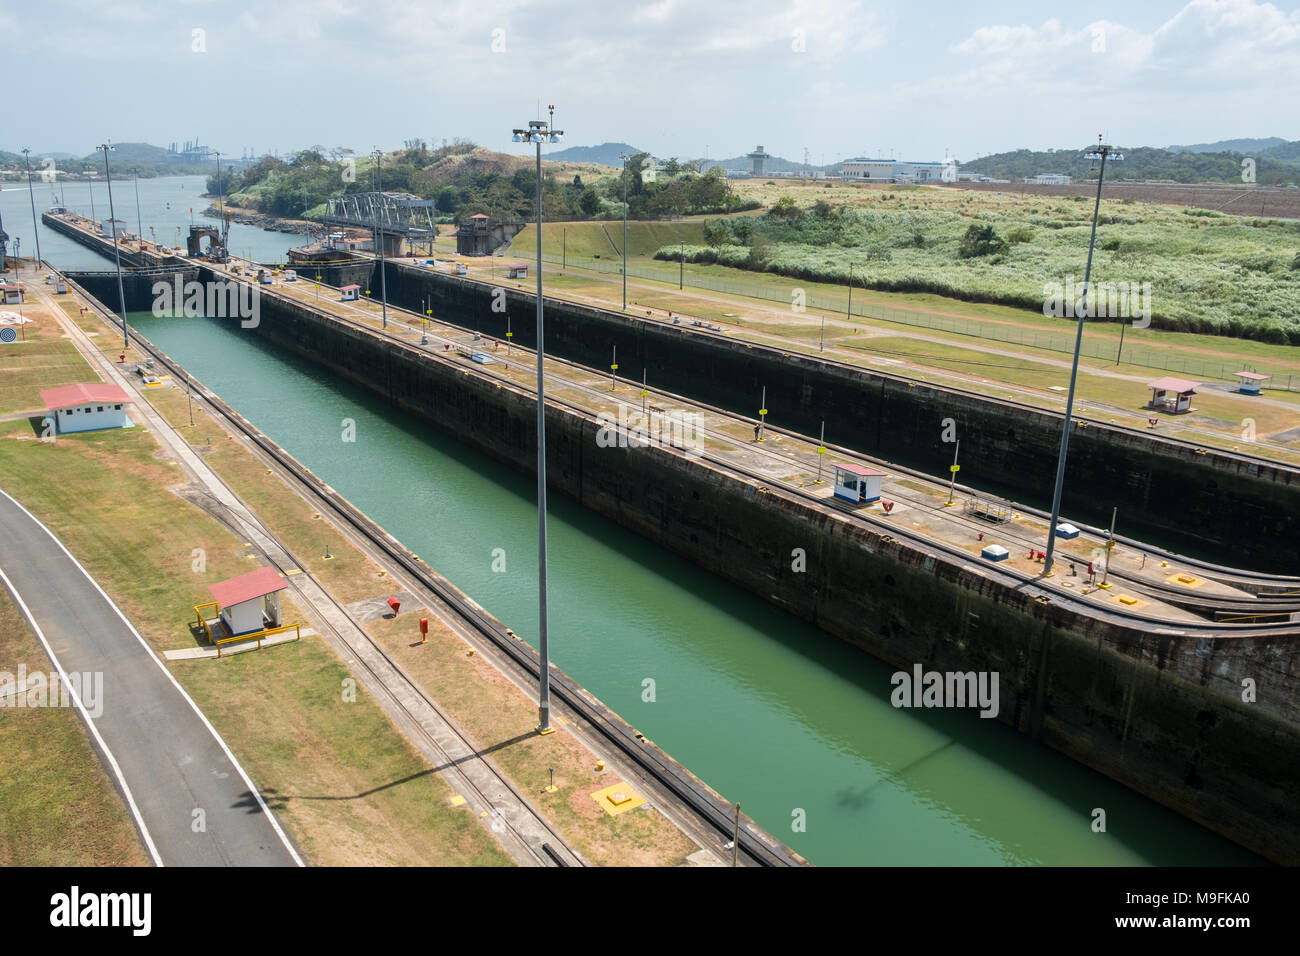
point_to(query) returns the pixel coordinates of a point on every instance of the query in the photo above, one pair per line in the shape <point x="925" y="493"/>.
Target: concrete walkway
<point x="168" y="761"/>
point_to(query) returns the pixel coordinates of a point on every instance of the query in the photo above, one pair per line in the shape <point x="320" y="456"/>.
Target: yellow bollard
<point x="600" y="765"/>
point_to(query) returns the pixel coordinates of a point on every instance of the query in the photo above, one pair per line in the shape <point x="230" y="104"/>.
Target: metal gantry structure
<point x="384" y="213"/>
<point x="1101" y="151"/>
<point x="538" y="132"/>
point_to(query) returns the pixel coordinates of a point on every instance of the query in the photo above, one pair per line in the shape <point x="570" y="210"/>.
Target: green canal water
<point x="770" y="711"/>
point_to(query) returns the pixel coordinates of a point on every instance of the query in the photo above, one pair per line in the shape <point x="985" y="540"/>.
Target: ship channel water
<point x="771" y="712"/>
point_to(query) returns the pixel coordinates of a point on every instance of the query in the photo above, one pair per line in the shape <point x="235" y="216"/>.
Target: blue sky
<point x="840" y="77"/>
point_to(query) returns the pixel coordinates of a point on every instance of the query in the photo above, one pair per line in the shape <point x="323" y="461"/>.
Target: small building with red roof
<point x="87" y="407"/>
<point x="250" y="602"/>
<point x="351" y="293"/>
<point x="1172" y="395"/>
<point x="857" y="483"/>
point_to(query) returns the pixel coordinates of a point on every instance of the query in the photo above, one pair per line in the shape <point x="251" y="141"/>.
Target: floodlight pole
<point x="625" y="159"/>
<point x="32" y="196"/>
<point x="538" y="132"/>
<point x="1103" y="151"/>
<point x="117" y="256"/>
<point x="383" y="277"/>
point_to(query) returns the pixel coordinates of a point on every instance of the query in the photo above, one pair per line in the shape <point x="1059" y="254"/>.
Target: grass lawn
<point x="351" y="788"/>
<point x="60" y="805"/>
<point x="45" y="360"/>
<point x="500" y="717"/>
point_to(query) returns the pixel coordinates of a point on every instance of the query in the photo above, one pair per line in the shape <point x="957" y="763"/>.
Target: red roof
<point x="1173" y="385"/>
<point x="246" y="587"/>
<point x="66" y="395"/>
<point x="857" y="469"/>
<point x="478" y="215"/>
<point x="346" y="287"/>
<point x="1254" y="376"/>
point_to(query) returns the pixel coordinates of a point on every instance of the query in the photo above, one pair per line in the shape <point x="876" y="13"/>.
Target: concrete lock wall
<point x="1164" y="489"/>
<point x="1162" y="714"/>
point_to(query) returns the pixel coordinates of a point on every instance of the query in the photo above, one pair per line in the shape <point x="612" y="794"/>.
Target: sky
<point x="915" y="80"/>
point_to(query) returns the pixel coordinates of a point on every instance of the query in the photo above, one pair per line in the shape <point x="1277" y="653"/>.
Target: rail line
<point x="714" y="813"/>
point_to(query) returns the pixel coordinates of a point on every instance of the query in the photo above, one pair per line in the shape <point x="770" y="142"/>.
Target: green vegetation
<point x="464" y="179"/>
<point x="1210" y="272"/>
<point x="1274" y="166"/>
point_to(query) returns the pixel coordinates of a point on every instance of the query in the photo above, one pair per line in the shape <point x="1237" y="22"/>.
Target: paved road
<point x="166" y="758"/>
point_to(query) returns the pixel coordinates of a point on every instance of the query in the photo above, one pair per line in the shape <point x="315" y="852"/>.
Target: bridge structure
<point x="404" y="222"/>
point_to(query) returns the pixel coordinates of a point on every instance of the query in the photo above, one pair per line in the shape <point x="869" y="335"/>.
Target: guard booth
<point x="1172" y="395"/>
<point x="1251" y="383"/>
<point x="11" y="293"/>
<point x="249" y="603"/>
<point x="290" y="275"/>
<point x="462" y="270"/>
<point x="351" y="293"/>
<point x="517" y="271"/>
<point x="857" y="483"/>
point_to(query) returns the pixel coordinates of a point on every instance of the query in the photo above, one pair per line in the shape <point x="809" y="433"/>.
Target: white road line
<point x="275" y="824"/>
<point x="90" y="723"/>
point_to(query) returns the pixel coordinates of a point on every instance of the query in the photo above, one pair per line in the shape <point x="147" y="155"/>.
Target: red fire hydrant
<point x="122" y="357"/>
<point x="424" y="630"/>
<point x="395" y="605"/>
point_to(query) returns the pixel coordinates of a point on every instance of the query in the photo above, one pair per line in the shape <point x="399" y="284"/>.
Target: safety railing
<point x="259" y="636"/>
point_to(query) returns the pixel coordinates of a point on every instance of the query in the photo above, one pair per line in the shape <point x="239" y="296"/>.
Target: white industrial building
<point x="896" y="171"/>
<point x="1050" y="179"/>
<point x="106" y="228"/>
<point x="83" y="408"/>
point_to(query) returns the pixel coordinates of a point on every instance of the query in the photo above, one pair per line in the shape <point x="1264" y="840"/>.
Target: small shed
<point x="106" y="228"/>
<point x="250" y="602"/>
<point x="290" y="275"/>
<point x="1251" y="383"/>
<point x="517" y="271"/>
<point x="857" y="483"/>
<point x="83" y="408"/>
<point x="351" y="293"/>
<point x="11" y="293"/>
<point x="1172" y="395"/>
<point x="461" y="269"/>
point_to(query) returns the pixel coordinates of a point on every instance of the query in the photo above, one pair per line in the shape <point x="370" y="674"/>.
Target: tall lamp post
<point x="625" y="159"/>
<point x="1101" y="151"/>
<point x="32" y="196"/>
<point x="374" y="207"/>
<point x="538" y="132"/>
<point x="117" y="256"/>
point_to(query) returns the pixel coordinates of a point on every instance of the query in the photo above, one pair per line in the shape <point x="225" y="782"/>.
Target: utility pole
<point x="1100" y="151"/>
<point x="681" y="267"/>
<point x="625" y="159"/>
<point x="32" y="196"/>
<point x="117" y="256"/>
<point x="952" y="480"/>
<point x="379" y="241"/>
<point x="538" y="132"/>
<point x="139" y="222"/>
<point x="1110" y="547"/>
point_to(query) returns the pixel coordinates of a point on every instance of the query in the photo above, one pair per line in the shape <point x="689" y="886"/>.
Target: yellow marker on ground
<point x="457" y="800"/>
<point x="617" y="799"/>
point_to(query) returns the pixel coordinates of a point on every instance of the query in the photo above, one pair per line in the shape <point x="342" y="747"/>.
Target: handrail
<point x="260" y="635"/>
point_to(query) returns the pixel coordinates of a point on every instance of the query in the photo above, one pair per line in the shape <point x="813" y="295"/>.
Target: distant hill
<point x="1140" y="163"/>
<point x="773" y="164"/>
<point x="1247" y="147"/>
<point x="606" y="154"/>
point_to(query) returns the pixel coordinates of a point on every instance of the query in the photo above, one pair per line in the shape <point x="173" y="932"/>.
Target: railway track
<point x="713" y="815"/>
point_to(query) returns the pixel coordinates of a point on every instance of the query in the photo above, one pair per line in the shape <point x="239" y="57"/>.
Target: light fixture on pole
<point x="538" y="132"/>
<point x="625" y="159"/>
<point x="379" y="243"/>
<point x="1102" y="151"/>
<point x="117" y="256"/>
<point x="32" y="196"/>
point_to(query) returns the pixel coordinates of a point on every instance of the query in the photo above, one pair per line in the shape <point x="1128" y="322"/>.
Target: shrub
<point x="980" y="241"/>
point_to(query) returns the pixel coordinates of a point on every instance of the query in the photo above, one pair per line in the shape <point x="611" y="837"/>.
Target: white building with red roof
<point x="250" y="602"/>
<point x="87" y="407"/>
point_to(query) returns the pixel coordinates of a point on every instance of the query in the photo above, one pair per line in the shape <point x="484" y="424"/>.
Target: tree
<point x="980" y="241"/>
<point x="589" y="202"/>
<point x="786" y="209"/>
